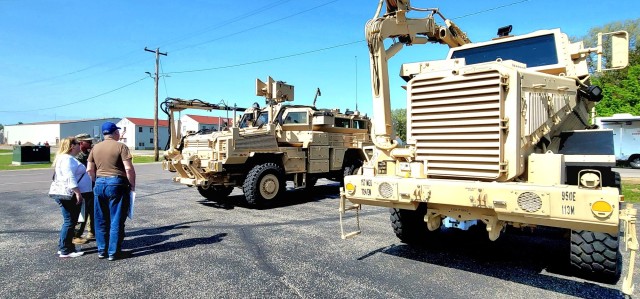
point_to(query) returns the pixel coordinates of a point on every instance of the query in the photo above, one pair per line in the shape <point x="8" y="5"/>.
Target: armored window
<point x="534" y="51"/>
<point x="343" y="122"/>
<point x="359" y="124"/>
<point x="263" y="118"/>
<point x="296" y="118"/>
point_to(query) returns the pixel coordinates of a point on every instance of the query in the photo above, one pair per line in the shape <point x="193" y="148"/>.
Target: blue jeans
<point x="70" y="211"/>
<point x="111" y="206"/>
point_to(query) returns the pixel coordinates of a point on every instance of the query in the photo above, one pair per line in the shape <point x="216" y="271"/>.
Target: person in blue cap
<point x="109" y="165"/>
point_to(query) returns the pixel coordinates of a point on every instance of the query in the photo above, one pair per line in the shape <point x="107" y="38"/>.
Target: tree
<point x="1" y="127"/>
<point x="399" y="121"/>
<point x="621" y="87"/>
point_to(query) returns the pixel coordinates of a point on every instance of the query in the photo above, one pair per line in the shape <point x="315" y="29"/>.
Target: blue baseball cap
<point x="109" y="127"/>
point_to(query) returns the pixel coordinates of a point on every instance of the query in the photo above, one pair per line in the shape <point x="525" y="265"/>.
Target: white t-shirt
<point x="69" y="170"/>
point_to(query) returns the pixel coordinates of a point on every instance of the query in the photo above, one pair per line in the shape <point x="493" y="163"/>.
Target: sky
<point x="72" y="59"/>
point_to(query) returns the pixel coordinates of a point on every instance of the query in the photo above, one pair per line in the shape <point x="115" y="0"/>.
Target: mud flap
<point x="628" y="217"/>
<point x="343" y="209"/>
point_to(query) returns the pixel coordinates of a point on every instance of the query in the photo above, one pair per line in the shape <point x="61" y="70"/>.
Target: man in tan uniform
<point x="110" y="166"/>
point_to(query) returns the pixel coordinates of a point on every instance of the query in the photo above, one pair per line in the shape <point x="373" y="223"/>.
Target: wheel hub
<point x="269" y="186"/>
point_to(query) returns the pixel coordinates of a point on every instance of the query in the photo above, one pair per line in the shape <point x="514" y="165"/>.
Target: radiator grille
<point x="456" y="123"/>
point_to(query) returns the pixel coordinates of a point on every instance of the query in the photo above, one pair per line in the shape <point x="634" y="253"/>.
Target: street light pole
<point x="155" y="106"/>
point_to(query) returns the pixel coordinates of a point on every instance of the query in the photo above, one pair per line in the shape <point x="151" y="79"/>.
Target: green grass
<point x="5" y="151"/>
<point x="631" y="191"/>
<point x="143" y="159"/>
<point x="5" y="162"/>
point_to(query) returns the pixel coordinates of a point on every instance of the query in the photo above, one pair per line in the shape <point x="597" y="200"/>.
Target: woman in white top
<point x="73" y="174"/>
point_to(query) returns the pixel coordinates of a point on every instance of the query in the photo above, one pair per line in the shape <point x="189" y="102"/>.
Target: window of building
<point x="151" y="130"/>
<point x="140" y="143"/>
<point x="140" y="129"/>
<point x="151" y="140"/>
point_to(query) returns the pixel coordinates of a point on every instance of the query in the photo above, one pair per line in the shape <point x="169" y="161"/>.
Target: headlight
<point x="590" y="180"/>
<point x="386" y="190"/>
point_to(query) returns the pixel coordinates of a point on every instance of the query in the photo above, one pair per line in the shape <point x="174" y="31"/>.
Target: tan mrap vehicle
<point x="498" y="136"/>
<point x="267" y="147"/>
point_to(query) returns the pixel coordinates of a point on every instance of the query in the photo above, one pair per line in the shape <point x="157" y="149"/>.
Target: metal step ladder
<point x="344" y="207"/>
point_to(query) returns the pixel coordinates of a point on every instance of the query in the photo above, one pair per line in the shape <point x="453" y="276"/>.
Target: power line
<point x="79" y="101"/>
<point x="255" y="27"/>
<point x="227" y="22"/>
<point x="224" y="23"/>
<point x="490" y="9"/>
<point x="264" y="60"/>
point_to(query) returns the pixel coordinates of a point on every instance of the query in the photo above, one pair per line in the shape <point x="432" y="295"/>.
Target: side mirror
<point x="616" y="45"/>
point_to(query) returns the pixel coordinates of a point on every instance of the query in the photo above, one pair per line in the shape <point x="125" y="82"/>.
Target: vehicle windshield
<point x="533" y="51"/>
<point x="263" y="118"/>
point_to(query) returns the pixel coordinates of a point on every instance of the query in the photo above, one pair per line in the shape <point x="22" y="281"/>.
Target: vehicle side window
<point x="296" y="118"/>
<point x="359" y="124"/>
<point x="343" y="122"/>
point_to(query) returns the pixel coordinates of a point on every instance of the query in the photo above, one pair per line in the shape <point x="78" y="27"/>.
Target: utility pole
<point x="155" y="106"/>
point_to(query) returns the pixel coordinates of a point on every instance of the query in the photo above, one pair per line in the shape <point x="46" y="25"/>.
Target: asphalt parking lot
<point x="186" y="247"/>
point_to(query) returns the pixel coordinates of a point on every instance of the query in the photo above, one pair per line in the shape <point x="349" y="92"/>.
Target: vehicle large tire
<point x="409" y="226"/>
<point x="265" y="182"/>
<point x="215" y="193"/>
<point x="350" y="168"/>
<point x="634" y="162"/>
<point x="596" y="256"/>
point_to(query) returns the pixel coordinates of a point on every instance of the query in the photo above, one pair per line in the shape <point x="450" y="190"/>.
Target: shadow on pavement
<point x="520" y="257"/>
<point x="289" y="198"/>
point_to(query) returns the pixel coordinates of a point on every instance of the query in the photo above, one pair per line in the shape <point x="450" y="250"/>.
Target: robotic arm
<point x="404" y="31"/>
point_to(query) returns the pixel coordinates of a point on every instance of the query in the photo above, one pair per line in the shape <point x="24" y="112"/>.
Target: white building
<point x="190" y="122"/>
<point x="53" y="131"/>
<point x="137" y="133"/>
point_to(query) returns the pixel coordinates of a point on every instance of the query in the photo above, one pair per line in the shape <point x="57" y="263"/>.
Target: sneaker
<point x="101" y="255"/>
<point x="80" y="241"/>
<point x="91" y="236"/>
<point x="72" y="254"/>
<point x="120" y="255"/>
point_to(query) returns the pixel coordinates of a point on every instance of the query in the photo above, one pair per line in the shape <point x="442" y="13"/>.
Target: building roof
<point x="53" y="122"/>
<point x="146" y="122"/>
<point x="210" y="120"/>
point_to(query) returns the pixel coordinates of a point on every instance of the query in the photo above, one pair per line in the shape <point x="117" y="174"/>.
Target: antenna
<point x="356" y="60"/>
<point x="316" y="97"/>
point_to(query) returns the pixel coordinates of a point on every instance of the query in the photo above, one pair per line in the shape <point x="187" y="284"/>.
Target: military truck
<point x="267" y="146"/>
<point x="498" y="136"/>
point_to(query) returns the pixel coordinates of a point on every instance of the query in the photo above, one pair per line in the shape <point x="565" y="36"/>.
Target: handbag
<point x="59" y="190"/>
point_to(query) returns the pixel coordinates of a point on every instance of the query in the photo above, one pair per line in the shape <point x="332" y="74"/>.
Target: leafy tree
<point x="399" y="121"/>
<point x="1" y="127"/>
<point x="621" y="87"/>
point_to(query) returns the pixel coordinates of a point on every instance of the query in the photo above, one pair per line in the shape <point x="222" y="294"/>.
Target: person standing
<point x="110" y="166"/>
<point x="86" y="142"/>
<point x="72" y="173"/>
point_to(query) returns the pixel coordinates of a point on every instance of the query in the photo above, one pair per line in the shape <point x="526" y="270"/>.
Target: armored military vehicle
<point x="498" y="136"/>
<point x="267" y="147"/>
